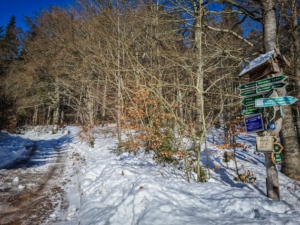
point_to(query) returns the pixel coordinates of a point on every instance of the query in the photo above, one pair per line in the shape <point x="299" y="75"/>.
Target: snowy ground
<point x="105" y="188"/>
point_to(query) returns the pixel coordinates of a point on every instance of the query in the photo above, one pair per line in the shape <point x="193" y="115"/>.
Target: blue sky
<point x="20" y="8"/>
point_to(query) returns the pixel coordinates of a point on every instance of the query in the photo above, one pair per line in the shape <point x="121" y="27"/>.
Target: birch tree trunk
<point x="119" y="93"/>
<point x="200" y="126"/>
<point x="90" y="107"/>
<point x="48" y="115"/>
<point x="269" y="21"/>
<point x="103" y="107"/>
<point x="35" y="116"/>
<point x="56" y="103"/>
<point x="199" y="75"/>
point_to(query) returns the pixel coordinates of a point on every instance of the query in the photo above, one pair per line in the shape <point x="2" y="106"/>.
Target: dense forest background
<point x="154" y="67"/>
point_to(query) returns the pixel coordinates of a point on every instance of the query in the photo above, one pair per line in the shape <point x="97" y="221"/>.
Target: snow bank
<point x="128" y="189"/>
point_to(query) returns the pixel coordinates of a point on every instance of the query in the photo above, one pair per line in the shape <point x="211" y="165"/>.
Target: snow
<point x="13" y="148"/>
<point x="104" y="187"/>
<point x="257" y="62"/>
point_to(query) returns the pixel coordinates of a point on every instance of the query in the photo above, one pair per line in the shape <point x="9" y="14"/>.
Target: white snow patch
<point x="257" y="62"/>
<point x="105" y="188"/>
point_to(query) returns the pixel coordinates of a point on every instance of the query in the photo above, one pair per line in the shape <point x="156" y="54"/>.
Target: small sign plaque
<point x="254" y="123"/>
<point x="276" y="158"/>
<point x="278" y="148"/>
<point x="265" y="144"/>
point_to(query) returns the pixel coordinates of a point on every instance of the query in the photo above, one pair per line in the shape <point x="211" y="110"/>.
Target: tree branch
<point x="231" y="32"/>
<point x="244" y="10"/>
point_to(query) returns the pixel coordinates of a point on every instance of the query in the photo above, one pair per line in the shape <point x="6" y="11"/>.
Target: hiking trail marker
<point x="263" y="82"/>
<point x="278" y="101"/>
<point x="251" y="100"/>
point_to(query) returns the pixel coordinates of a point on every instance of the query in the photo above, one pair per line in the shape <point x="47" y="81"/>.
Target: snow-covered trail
<point x="31" y="187"/>
<point x="94" y="186"/>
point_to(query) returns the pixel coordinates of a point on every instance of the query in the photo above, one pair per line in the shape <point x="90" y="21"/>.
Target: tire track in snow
<point x="33" y="204"/>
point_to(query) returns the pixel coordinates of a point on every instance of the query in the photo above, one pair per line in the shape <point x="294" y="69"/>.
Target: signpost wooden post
<point x="272" y="183"/>
<point x="260" y="68"/>
<point x="266" y="145"/>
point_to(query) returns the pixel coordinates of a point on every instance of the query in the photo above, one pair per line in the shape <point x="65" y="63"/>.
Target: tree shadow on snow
<point x="209" y="161"/>
<point x="38" y="153"/>
<point x="229" y="181"/>
<point x="243" y="157"/>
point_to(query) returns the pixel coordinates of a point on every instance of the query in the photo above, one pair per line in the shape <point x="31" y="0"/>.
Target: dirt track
<point x="29" y="195"/>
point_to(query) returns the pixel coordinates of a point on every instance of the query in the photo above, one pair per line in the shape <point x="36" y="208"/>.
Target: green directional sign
<point x="270" y="80"/>
<point x="270" y="87"/>
<point x="247" y="85"/>
<point x="248" y="93"/>
<point x="251" y="110"/>
<point x="278" y="148"/>
<point x="250" y="100"/>
<point x="278" y="101"/>
<point x="263" y="82"/>
<point x="276" y="158"/>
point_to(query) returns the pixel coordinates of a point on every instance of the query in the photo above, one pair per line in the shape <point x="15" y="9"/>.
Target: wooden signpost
<point x="257" y="96"/>
<point x="267" y="68"/>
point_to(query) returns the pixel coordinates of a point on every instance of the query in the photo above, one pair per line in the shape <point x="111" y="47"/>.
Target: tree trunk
<point x="48" y="115"/>
<point x="35" y="116"/>
<point x="270" y="35"/>
<point x="290" y="153"/>
<point x="198" y="46"/>
<point x="62" y="116"/>
<point x="200" y="123"/>
<point x="103" y="107"/>
<point x="288" y="136"/>
<point x="90" y="107"/>
<point x="270" y="28"/>
<point x="119" y="93"/>
<point x="295" y="62"/>
<point x="56" y="102"/>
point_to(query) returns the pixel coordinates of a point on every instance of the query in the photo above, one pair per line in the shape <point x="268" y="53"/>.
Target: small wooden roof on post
<point x="265" y="64"/>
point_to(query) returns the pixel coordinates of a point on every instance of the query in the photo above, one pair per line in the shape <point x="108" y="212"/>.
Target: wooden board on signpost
<point x="265" y="144"/>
